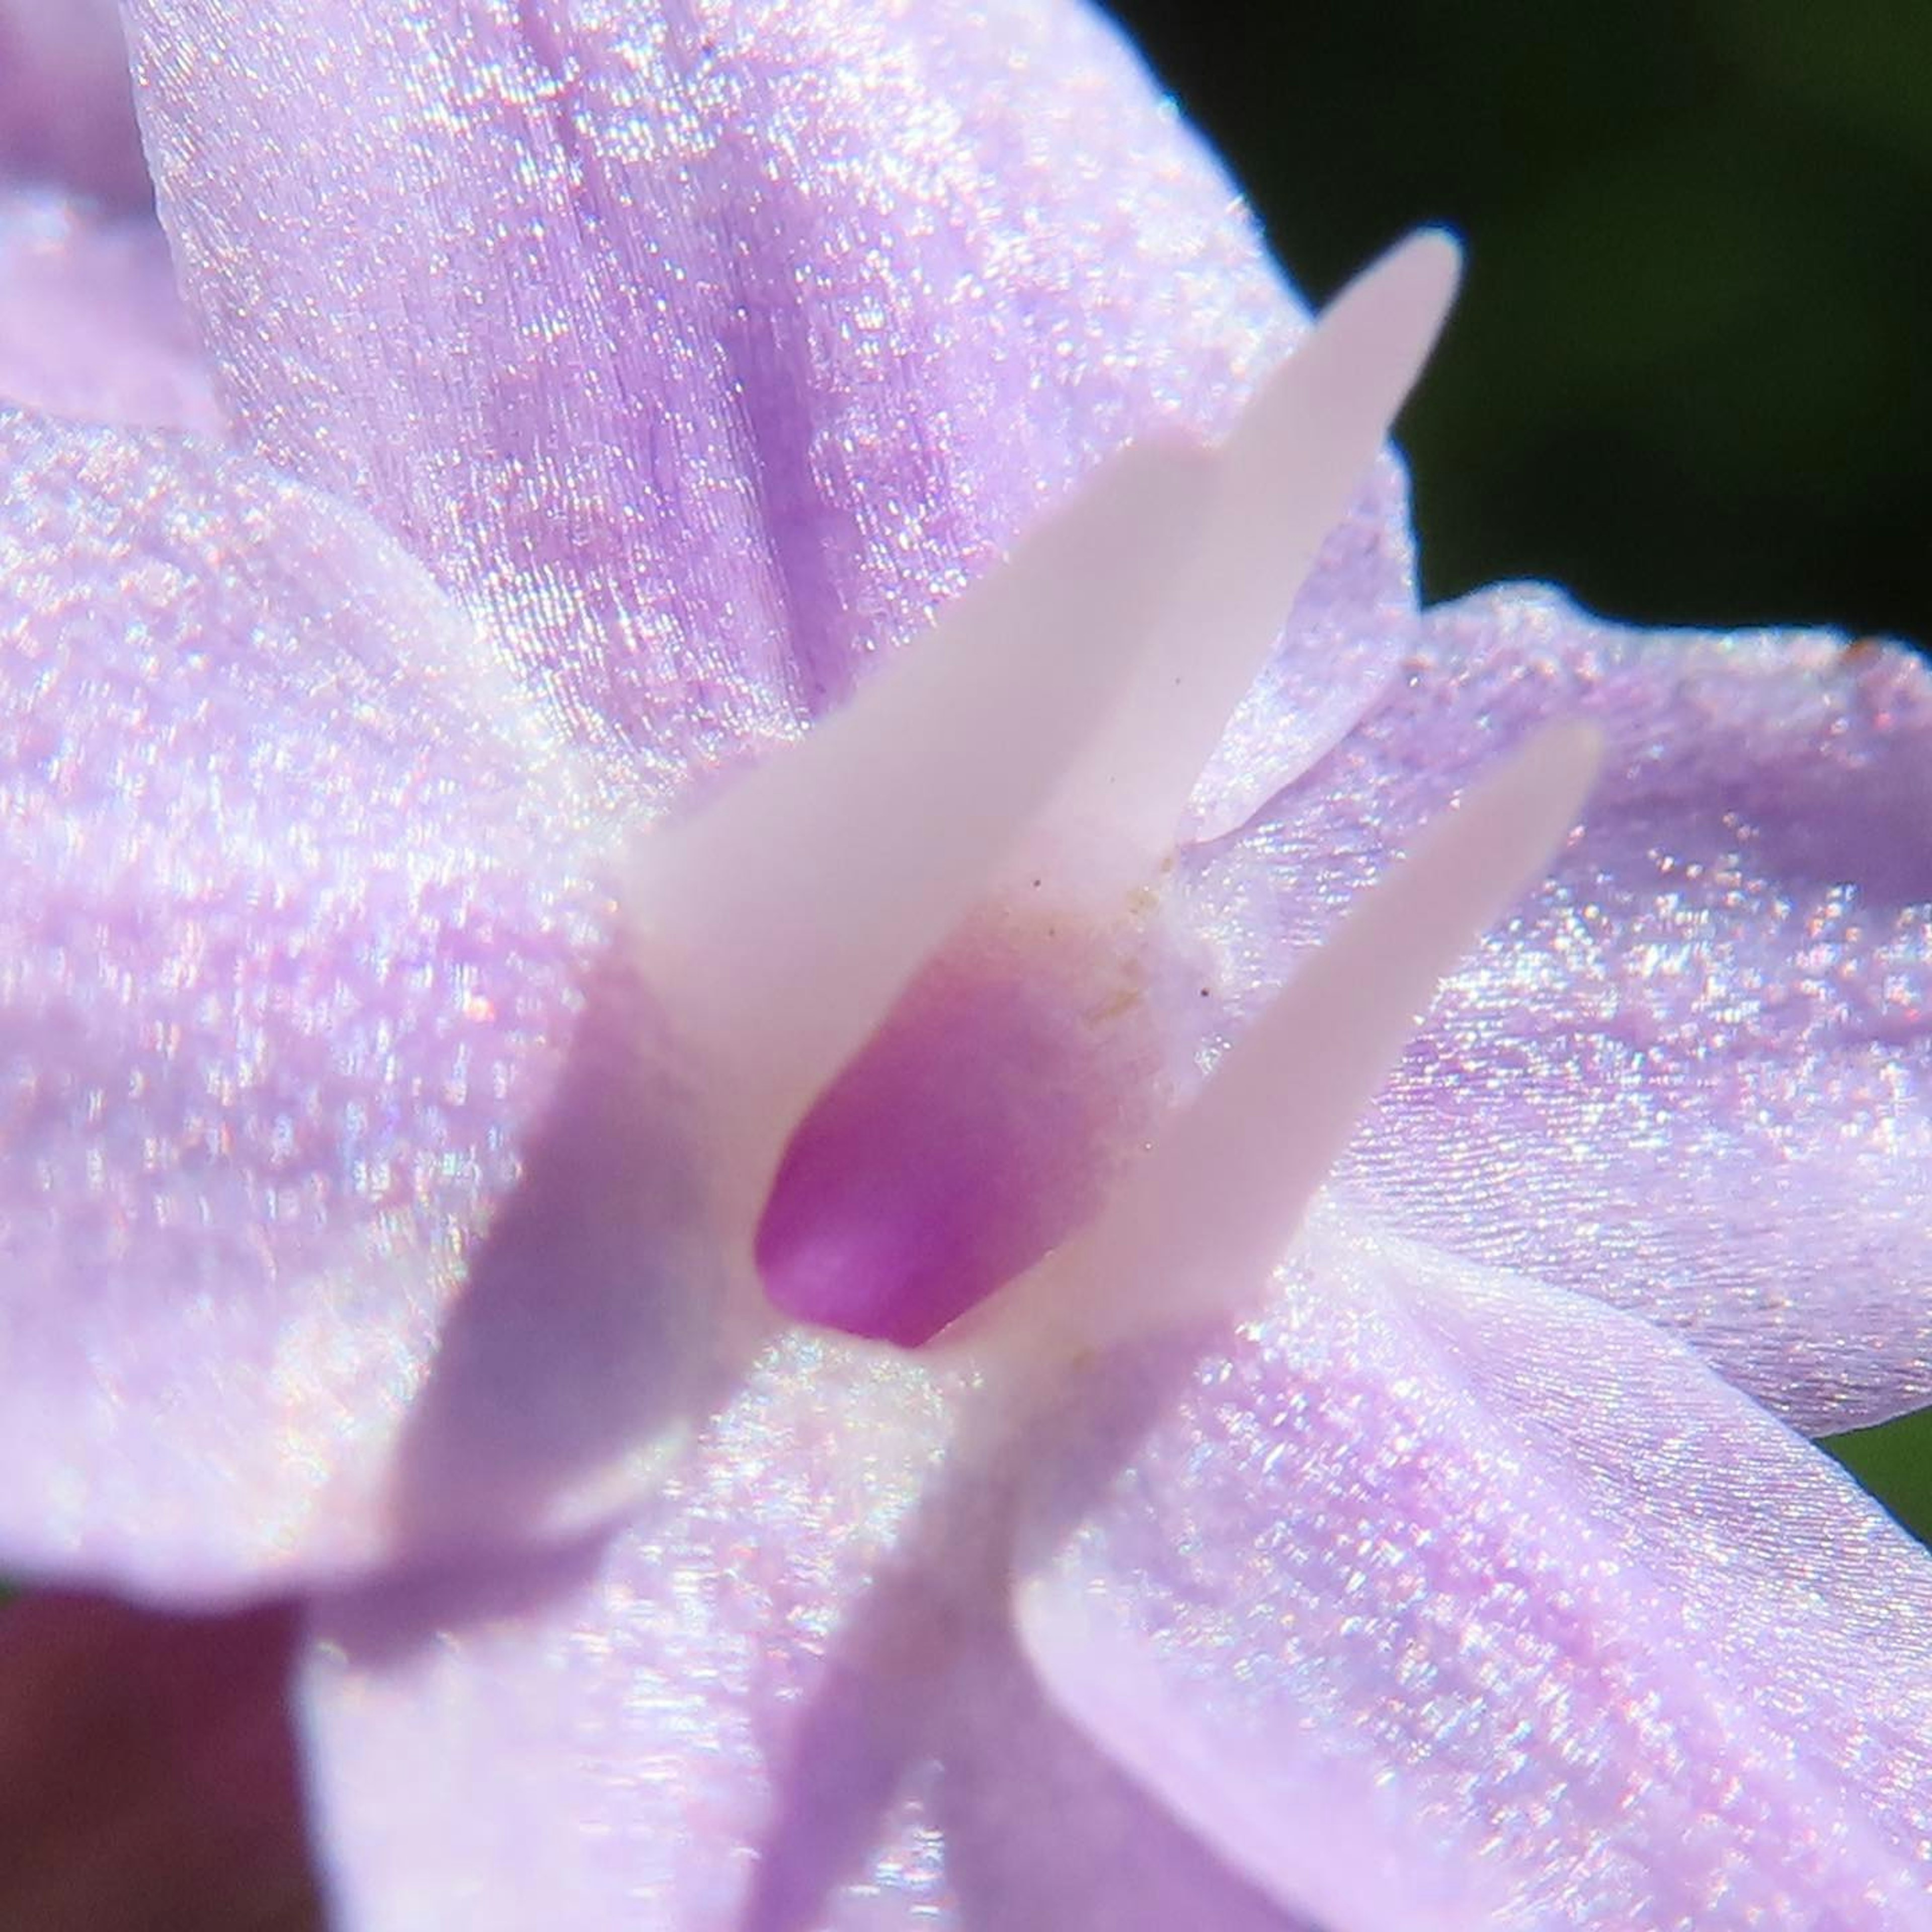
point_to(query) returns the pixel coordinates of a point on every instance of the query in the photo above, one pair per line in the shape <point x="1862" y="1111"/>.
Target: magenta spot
<point x="974" y="1133"/>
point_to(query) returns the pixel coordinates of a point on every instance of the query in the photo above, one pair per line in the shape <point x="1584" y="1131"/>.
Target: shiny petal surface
<point x="91" y="325"/>
<point x="786" y="1700"/>
<point x="67" y="113"/>
<point x="1634" y="1653"/>
<point x="1694" y="1075"/>
<point x="601" y="1741"/>
<point x="147" y="1773"/>
<point x="293" y="936"/>
<point x="707" y="349"/>
<point x="1317" y="1832"/>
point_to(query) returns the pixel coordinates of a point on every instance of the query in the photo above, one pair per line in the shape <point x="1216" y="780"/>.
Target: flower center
<point x="918" y="975"/>
<point x="988" y="1118"/>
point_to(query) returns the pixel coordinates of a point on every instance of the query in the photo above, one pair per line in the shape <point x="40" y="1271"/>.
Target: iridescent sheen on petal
<point x="621" y="382"/>
<point x="606" y="1735"/>
<point x="710" y="350"/>
<point x="788" y="1697"/>
<point x="1603" y="1629"/>
<point x="293" y="927"/>
<point x="1693" y="1074"/>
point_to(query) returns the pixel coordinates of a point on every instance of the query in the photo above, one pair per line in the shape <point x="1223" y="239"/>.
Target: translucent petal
<point x="1223" y="1188"/>
<point x="1609" y="1636"/>
<point x="91" y="326"/>
<point x="1693" y="1074"/>
<point x="632" y="1710"/>
<point x="787" y="1700"/>
<point x="709" y="351"/>
<point x="67" y="113"/>
<point x="779" y="925"/>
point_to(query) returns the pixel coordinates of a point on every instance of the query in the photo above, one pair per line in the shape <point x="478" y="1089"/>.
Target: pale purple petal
<point x="1317" y="1830"/>
<point x="66" y="114"/>
<point x="293" y="931"/>
<point x="709" y="350"/>
<point x="1694" y="1075"/>
<point x="1611" y="1635"/>
<point x="786" y="1700"/>
<point x="91" y="327"/>
<point x="601" y="1740"/>
<point x="1042" y="1828"/>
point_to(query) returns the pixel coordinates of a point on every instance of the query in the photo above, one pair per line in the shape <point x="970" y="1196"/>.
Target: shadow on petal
<point x="902" y="1685"/>
<point x="590" y="1331"/>
<point x="1043" y="1830"/>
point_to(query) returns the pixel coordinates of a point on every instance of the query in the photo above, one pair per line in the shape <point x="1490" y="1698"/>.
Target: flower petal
<point x="1694" y="1076"/>
<point x="788" y="1699"/>
<point x="147" y="1774"/>
<point x="91" y="326"/>
<point x="1605" y="1630"/>
<point x="67" y="113"/>
<point x="709" y="350"/>
<point x="1041" y="1827"/>
<point x="1316" y="1831"/>
<point x="601" y="1739"/>
<point x="293" y="937"/>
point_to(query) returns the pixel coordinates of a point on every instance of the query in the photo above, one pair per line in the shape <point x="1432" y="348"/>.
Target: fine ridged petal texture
<point x="1318" y="1832"/>
<point x="91" y="325"/>
<point x="1591" y="1618"/>
<point x="1694" y="1075"/>
<point x="787" y="1700"/>
<point x="290" y="945"/>
<point x="387" y="1109"/>
<point x="781" y="924"/>
<point x="66" y="113"/>
<point x="1194" y="1228"/>
<point x="708" y="349"/>
<point x="592" y="1741"/>
<point x="973" y="1132"/>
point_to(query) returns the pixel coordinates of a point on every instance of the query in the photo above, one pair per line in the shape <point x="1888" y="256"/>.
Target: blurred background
<point x="1691" y="376"/>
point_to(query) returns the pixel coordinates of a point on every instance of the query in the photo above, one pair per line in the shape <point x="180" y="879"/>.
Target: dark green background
<point x="1688" y="379"/>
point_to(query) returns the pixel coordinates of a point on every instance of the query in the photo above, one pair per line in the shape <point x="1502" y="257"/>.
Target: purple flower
<point x="439" y="1069"/>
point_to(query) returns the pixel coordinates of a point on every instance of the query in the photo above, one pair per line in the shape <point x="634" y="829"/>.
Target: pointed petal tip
<point x="1200" y="1222"/>
<point x="1434" y="253"/>
<point x="1281" y="480"/>
<point x="1410" y="289"/>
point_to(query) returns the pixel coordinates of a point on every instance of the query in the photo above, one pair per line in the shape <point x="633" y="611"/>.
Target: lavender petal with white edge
<point x="708" y="351"/>
<point x="614" y="1305"/>
<point x="1694" y="1075"/>
<point x="66" y="113"/>
<point x="291" y="945"/>
<point x="1225" y="1183"/>
<point x="1282" y="481"/>
<point x="975" y="1128"/>
<point x="1316" y="1831"/>
<point x="1599" y="1627"/>
<point x="779" y="925"/>
<point x="91" y="327"/>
